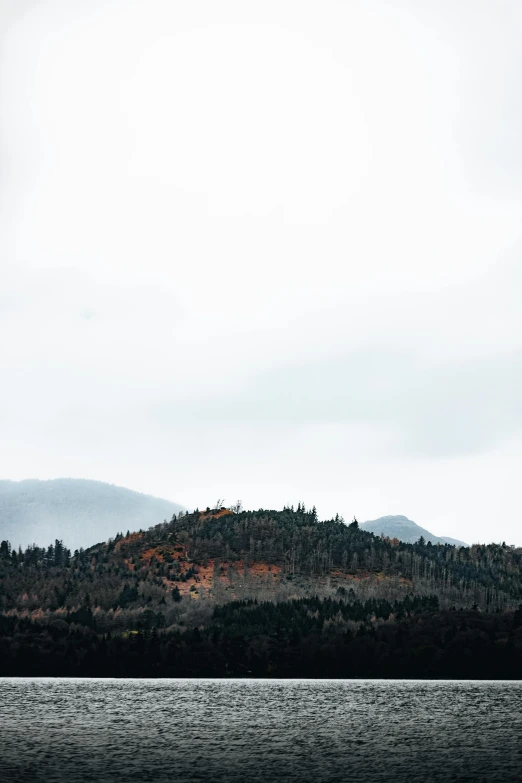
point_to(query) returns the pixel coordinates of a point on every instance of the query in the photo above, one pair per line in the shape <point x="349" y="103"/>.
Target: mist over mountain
<point x="406" y="530"/>
<point x="81" y="512"/>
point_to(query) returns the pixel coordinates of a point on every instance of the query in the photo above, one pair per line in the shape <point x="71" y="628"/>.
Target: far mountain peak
<point x="399" y="526"/>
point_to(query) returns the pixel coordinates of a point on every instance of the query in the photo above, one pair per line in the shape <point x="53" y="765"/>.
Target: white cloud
<point x="231" y="230"/>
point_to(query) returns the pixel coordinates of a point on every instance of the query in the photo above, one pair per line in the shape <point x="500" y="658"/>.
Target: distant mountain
<point x="405" y="530"/>
<point x="78" y="511"/>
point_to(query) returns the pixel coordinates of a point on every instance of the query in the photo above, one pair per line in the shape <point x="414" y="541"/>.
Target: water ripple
<point x="259" y="730"/>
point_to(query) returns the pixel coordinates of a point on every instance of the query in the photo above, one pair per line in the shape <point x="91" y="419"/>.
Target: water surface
<point x="56" y="730"/>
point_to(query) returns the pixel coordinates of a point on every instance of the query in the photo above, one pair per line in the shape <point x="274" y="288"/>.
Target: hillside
<point x="405" y="529"/>
<point x="79" y="511"/>
<point x="274" y="593"/>
<point x="269" y="593"/>
<point x="218" y="556"/>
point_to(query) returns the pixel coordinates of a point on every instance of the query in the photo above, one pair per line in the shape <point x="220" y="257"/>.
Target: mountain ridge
<point x="82" y="512"/>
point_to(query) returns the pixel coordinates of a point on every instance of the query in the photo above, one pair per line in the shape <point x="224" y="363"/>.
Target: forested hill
<point x="302" y="546"/>
<point x="79" y="511"/>
<point x="221" y="555"/>
<point x="306" y="598"/>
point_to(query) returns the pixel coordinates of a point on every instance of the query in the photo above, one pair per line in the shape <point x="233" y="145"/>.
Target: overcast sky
<point x="268" y="251"/>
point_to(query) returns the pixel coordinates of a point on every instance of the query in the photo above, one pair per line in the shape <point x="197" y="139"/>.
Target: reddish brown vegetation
<point x="130" y="539"/>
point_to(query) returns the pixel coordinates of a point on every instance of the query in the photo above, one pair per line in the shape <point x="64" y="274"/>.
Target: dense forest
<point x="302" y="638"/>
<point x="268" y="593"/>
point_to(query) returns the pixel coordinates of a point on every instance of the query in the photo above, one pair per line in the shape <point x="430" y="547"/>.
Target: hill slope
<point x="405" y="530"/>
<point x="262" y="593"/>
<point x="217" y="556"/>
<point x="79" y="511"/>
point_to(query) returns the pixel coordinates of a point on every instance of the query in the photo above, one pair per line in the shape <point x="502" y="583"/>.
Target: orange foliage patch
<point x="128" y="540"/>
<point x="205" y="579"/>
<point x="174" y="551"/>
<point x="213" y="514"/>
<point x="263" y="569"/>
<point x="205" y="575"/>
<point x="150" y="553"/>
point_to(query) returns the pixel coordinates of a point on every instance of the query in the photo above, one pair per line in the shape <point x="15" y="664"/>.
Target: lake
<point x="259" y="730"/>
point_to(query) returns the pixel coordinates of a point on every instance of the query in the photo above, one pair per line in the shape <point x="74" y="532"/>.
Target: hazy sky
<point x="268" y="251"/>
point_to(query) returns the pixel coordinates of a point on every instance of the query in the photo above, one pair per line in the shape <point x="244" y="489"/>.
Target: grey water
<point x="56" y="730"/>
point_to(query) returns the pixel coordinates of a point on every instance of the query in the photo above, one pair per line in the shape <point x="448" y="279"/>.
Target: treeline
<point x="301" y="638"/>
<point x="54" y="555"/>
